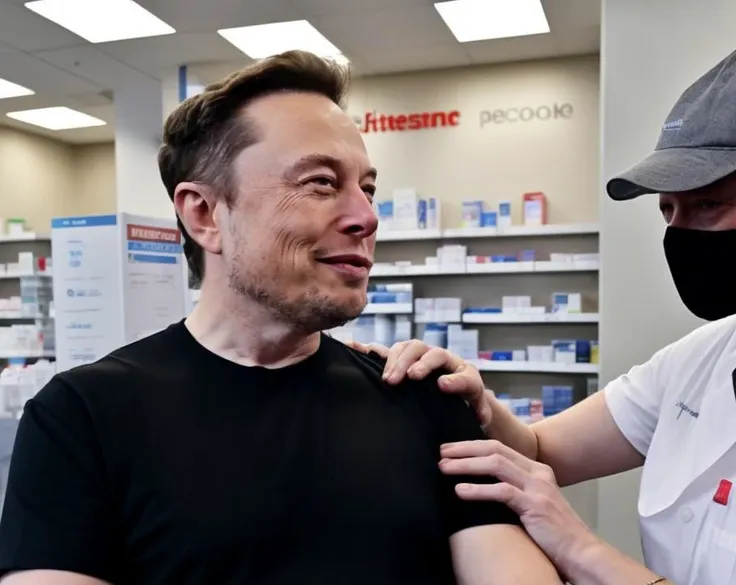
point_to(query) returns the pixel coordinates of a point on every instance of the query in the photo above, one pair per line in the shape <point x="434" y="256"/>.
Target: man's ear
<point x="195" y="206"/>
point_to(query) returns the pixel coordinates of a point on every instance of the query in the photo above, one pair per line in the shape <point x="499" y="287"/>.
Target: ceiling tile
<point x="210" y="15"/>
<point x="570" y="14"/>
<point x="513" y="49"/>
<point x="27" y="31"/>
<point x="155" y="55"/>
<point x="332" y="7"/>
<point x="405" y="26"/>
<point x="414" y="59"/>
<point x="39" y="75"/>
<point x="92" y="64"/>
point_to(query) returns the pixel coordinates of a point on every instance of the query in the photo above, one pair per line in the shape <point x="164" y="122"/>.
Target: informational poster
<point x="117" y="279"/>
<point x="152" y="275"/>
<point x="87" y="288"/>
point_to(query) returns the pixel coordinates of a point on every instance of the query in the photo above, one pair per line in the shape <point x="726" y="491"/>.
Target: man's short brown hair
<point x="205" y="133"/>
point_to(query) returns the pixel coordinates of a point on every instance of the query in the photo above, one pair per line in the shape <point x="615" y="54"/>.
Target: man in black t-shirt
<point x="241" y="446"/>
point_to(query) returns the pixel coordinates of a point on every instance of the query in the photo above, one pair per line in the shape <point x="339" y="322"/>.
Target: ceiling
<point x="378" y="36"/>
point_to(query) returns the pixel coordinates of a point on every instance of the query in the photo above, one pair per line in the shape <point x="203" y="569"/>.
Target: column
<point x="141" y="106"/>
<point x="651" y="50"/>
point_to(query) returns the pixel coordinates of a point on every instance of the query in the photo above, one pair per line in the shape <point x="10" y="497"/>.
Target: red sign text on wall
<point x="375" y="122"/>
<point x="147" y="233"/>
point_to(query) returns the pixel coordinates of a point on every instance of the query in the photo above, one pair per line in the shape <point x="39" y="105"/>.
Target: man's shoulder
<point x="136" y="365"/>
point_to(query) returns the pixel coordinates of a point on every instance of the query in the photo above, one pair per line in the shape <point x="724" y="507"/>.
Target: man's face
<point x="300" y="235"/>
<point x="710" y="208"/>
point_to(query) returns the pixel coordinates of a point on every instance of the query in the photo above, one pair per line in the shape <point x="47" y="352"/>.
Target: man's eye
<point x="708" y="204"/>
<point x="323" y="181"/>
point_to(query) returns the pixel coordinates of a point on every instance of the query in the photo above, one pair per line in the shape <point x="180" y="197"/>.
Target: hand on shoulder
<point x="416" y="360"/>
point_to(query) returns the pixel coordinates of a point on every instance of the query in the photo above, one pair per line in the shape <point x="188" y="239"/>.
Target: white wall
<point x="651" y="51"/>
<point x="499" y="161"/>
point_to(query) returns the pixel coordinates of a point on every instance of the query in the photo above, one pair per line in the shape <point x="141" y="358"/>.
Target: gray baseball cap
<point x="697" y="145"/>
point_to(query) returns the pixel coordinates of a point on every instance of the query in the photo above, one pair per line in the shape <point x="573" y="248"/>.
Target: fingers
<point x="415" y="359"/>
<point x="495" y="465"/>
<point x="434" y="359"/>
<point x="469" y="449"/>
<point x="507" y="494"/>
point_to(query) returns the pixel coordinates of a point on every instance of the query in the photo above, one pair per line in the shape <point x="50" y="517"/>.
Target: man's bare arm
<point x="500" y="555"/>
<point x="49" y="578"/>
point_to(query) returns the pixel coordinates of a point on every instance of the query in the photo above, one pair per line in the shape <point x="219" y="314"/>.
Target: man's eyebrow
<point x="325" y="160"/>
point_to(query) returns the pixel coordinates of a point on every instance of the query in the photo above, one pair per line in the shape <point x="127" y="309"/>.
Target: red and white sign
<point x="373" y="122"/>
<point x="147" y="233"/>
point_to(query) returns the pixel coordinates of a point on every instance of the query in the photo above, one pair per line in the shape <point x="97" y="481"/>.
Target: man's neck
<point x="238" y="330"/>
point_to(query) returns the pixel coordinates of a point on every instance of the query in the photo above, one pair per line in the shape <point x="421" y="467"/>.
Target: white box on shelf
<point x="405" y="208"/>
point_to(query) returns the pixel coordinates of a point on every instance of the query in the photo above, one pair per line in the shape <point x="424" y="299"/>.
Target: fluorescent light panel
<point x="264" y="40"/>
<point x="101" y="21"/>
<point x="8" y="89"/>
<point x="479" y="20"/>
<point x="59" y="118"/>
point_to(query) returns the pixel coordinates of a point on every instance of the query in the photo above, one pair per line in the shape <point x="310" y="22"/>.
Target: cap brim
<point x="673" y="170"/>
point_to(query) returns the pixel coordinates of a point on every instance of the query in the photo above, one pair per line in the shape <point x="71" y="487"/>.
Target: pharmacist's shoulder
<point x="703" y="344"/>
<point x="147" y="365"/>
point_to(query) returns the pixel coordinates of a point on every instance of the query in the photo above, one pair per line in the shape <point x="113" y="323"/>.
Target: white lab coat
<point x="679" y="410"/>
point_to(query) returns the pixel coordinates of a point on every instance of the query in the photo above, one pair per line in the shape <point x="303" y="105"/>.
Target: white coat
<point x="679" y="410"/>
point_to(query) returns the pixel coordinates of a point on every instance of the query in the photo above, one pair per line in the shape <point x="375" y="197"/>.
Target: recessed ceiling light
<point x="59" y="118"/>
<point x="264" y="40"/>
<point x="9" y="89"/>
<point x="478" y="20"/>
<point x="101" y="21"/>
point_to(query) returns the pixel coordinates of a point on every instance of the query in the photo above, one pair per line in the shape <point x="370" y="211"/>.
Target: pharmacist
<point x="674" y="414"/>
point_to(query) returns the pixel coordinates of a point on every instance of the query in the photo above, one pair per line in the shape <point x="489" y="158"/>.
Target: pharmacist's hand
<point x="416" y="360"/>
<point x="527" y="487"/>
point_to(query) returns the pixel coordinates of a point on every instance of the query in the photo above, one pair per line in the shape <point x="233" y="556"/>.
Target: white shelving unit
<point x="538" y="367"/>
<point x="520" y="319"/>
<point x="510" y="232"/>
<point x="10" y="286"/>
<point x="449" y="281"/>
<point x="388" y="309"/>
<point x="26" y="354"/>
<point x="380" y="270"/>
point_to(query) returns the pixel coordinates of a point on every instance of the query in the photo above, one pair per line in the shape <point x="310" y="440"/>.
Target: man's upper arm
<point x="57" y="515"/>
<point x="500" y="555"/>
<point x="457" y="422"/>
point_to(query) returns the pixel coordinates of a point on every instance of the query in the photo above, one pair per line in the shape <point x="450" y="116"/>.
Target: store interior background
<point x="620" y="64"/>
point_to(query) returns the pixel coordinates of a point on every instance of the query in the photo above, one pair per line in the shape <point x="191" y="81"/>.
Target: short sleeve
<point x="635" y="400"/>
<point x="56" y="514"/>
<point x="457" y="422"/>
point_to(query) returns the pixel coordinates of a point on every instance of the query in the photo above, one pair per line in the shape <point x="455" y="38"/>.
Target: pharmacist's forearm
<point x="605" y="565"/>
<point x="509" y="430"/>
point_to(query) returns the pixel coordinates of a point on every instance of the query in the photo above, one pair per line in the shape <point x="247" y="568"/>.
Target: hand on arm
<point x="582" y="443"/>
<point x="529" y="488"/>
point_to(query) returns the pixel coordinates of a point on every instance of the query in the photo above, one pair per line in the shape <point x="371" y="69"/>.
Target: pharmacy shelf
<point x="388" y="309"/>
<point x="487" y="268"/>
<point x="22" y="275"/>
<point x="532" y="367"/>
<point x="17" y="316"/>
<point x="489" y="232"/>
<point x="408" y="235"/>
<point x="520" y="319"/>
<point x="27" y="354"/>
<point x="24" y="238"/>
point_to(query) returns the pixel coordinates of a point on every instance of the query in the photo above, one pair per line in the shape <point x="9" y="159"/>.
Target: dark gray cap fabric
<point x="697" y="145"/>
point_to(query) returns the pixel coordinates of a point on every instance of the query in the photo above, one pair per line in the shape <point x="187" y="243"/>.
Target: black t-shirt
<point x="165" y="464"/>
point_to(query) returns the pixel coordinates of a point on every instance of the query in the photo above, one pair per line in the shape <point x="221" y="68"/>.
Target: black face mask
<point x="700" y="264"/>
